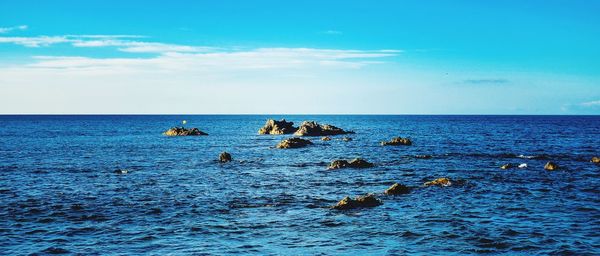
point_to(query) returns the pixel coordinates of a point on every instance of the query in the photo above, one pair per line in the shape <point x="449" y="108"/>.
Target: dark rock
<point x="355" y="163"/>
<point x="397" y="189"/>
<point x="121" y="171"/>
<point x="181" y="131"/>
<point x="507" y="166"/>
<point x="277" y="127"/>
<point x="224" y="157"/>
<point x="423" y="156"/>
<point x="442" y="182"/>
<point x="397" y="141"/>
<point x="595" y="160"/>
<point x="359" y="202"/>
<point x="326" y="138"/>
<point x="551" y="166"/>
<point x="294" y="143"/>
<point x="310" y="128"/>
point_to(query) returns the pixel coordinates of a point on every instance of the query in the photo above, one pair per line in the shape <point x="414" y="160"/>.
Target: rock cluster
<point x="397" y="189"/>
<point x="359" y="202"/>
<point x="397" y="141"/>
<point x="442" y="182"/>
<point x="182" y="131"/>
<point x="551" y="166"/>
<point x="224" y="157"/>
<point x="311" y="128"/>
<point x="277" y="127"/>
<point x="294" y="143"/>
<point x="355" y="163"/>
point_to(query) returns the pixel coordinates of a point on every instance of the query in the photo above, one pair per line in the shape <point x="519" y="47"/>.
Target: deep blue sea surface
<point x="59" y="194"/>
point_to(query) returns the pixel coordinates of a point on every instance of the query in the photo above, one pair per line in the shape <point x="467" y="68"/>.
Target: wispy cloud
<point x="332" y="32"/>
<point x="595" y="103"/>
<point x="486" y="81"/>
<point x="9" y="29"/>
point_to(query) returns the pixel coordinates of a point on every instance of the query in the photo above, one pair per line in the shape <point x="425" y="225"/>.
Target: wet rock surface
<point x="277" y="127"/>
<point x="182" y="131"/>
<point x="595" y="160"/>
<point x="441" y="182"/>
<point x="294" y="143"/>
<point x="311" y="128"/>
<point x="225" y="157"/>
<point x="365" y="201"/>
<point x="397" y="141"/>
<point x="551" y="166"/>
<point x="397" y="189"/>
<point x="357" y="163"/>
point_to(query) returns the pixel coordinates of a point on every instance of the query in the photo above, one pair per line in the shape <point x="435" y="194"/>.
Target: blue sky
<point x="388" y="57"/>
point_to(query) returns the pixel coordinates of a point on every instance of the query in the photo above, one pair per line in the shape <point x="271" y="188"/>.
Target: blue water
<point x="58" y="192"/>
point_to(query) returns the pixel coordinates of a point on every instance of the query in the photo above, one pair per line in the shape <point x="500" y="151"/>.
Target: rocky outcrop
<point x="442" y="182"/>
<point x="311" y="128"/>
<point x="551" y="166"/>
<point x="397" y="189"/>
<point x="365" y="201"/>
<point x="326" y="138"/>
<point x="595" y="160"/>
<point x="357" y="163"/>
<point x="397" y="142"/>
<point x="181" y="131"/>
<point x="277" y="127"/>
<point x="294" y="143"/>
<point x="507" y="166"/>
<point x="224" y="157"/>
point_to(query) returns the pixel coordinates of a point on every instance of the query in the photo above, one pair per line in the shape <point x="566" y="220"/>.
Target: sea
<point x="60" y="194"/>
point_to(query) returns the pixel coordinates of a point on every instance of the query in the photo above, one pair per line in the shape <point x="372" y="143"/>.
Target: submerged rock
<point x="326" y="138"/>
<point x="121" y="171"/>
<point x="423" y="156"/>
<point x="397" y="141"/>
<point x="355" y="163"/>
<point x="442" y="182"/>
<point x="595" y="160"/>
<point x="507" y="166"/>
<point x="294" y="143"/>
<point x="359" y="202"/>
<point x="311" y="128"/>
<point x="551" y="166"/>
<point x="182" y="131"/>
<point x="397" y="189"/>
<point x="277" y="127"/>
<point x="224" y="157"/>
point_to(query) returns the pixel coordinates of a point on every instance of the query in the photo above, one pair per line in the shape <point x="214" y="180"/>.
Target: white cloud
<point x="9" y="29"/>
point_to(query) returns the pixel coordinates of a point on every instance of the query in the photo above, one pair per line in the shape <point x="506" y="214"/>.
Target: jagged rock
<point x="181" y="131"/>
<point x="277" y="127"/>
<point x="359" y="202"/>
<point x="224" y="157"/>
<point x="397" y="189"/>
<point x="595" y="160"/>
<point x="311" y="128"/>
<point x="423" y="156"/>
<point x="294" y="143"/>
<point x="551" y="166"/>
<point x="355" y="163"/>
<point x="347" y="139"/>
<point x="442" y="182"/>
<point x="326" y="138"/>
<point x="507" y="166"/>
<point x="121" y="171"/>
<point x="397" y="141"/>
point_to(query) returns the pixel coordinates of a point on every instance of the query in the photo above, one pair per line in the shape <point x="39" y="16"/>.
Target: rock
<point x="507" y="166"/>
<point x="423" y="156"/>
<point x="311" y="128"/>
<point x="121" y="171"/>
<point x="442" y="182"/>
<point x="397" y="189"/>
<point x="277" y="127"/>
<point x="357" y="163"/>
<point x="523" y="165"/>
<point x="294" y="143"/>
<point x="359" y="202"/>
<point x="224" y="157"/>
<point x="347" y="139"/>
<point x="551" y="166"/>
<point x="595" y="160"/>
<point x="181" y="131"/>
<point x="397" y="141"/>
<point x="326" y="138"/>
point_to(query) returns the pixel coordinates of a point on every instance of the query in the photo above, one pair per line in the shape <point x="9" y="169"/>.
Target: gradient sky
<point x="323" y="57"/>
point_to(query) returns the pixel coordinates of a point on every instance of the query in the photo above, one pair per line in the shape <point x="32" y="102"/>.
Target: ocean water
<point x="59" y="194"/>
